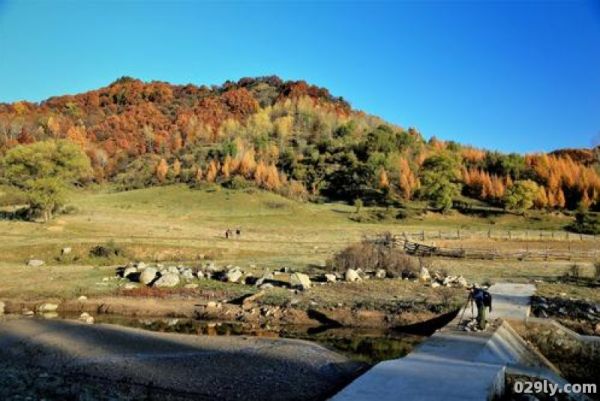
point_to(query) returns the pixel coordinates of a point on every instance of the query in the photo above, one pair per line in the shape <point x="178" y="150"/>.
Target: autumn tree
<point x="521" y="196"/>
<point x="44" y="171"/>
<point x="162" y="168"/>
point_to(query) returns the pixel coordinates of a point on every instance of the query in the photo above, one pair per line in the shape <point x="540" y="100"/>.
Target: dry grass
<point x="178" y="224"/>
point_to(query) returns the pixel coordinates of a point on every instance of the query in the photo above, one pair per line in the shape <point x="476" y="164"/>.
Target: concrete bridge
<point x="457" y="365"/>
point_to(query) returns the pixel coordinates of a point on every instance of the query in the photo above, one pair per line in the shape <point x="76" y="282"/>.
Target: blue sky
<point x="513" y="76"/>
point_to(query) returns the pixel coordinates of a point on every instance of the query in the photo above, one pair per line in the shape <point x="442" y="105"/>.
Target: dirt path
<point x="142" y="365"/>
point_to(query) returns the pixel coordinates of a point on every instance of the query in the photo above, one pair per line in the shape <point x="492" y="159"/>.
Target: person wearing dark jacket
<point x="483" y="301"/>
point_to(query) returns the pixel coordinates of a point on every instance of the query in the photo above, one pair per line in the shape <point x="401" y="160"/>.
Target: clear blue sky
<point x="513" y="76"/>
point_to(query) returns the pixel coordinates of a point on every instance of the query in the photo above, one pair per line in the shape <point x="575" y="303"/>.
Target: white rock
<point x="173" y="269"/>
<point x="435" y="284"/>
<point x="187" y="274"/>
<point x="233" y="275"/>
<point x="47" y="307"/>
<point x="140" y="265"/>
<point x="65" y="251"/>
<point x="462" y="281"/>
<point x="351" y="275"/>
<point x="300" y="280"/>
<point x="200" y="274"/>
<point x="381" y="273"/>
<point x="35" y="262"/>
<point x="82" y="298"/>
<point x="86" y="318"/>
<point x="330" y="278"/>
<point x="168" y="280"/>
<point x="424" y="274"/>
<point x="191" y="286"/>
<point x="130" y="286"/>
<point x="148" y="275"/>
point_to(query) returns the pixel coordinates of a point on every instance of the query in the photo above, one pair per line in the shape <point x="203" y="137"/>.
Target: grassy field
<point x="176" y="223"/>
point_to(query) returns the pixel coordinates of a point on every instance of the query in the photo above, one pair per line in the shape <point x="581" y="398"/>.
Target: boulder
<point x="86" y="318"/>
<point x="148" y="275"/>
<point x="300" y="281"/>
<point x="200" y="274"/>
<point x="435" y="284"/>
<point x="187" y="274"/>
<point x="381" y="273"/>
<point x="173" y="269"/>
<point x="330" y="278"/>
<point x="424" y="274"/>
<point x="140" y="265"/>
<point x="47" y="307"/>
<point x="265" y="277"/>
<point x="233" y="275"/>
<point x="82" y="298"/>
<point x="65" y="251"/>
<point x="168" y="280"/>
<point x="461" y="281"/>
<point x="448" y="280"/>
<point x="128" y="271"/>
<point x="35" y="262"/>
<point x="351" y="275"/>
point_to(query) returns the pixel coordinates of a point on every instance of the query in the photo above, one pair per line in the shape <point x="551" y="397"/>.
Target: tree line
<point x="285" y="136"/>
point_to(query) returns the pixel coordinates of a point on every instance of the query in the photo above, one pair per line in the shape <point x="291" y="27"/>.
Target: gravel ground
<point x="63" y="360"/>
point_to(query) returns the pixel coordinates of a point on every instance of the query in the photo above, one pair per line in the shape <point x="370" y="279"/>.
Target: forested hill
<point x="289" y="137"/>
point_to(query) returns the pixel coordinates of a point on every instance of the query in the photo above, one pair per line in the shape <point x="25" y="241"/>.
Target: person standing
<point x="483" y="302"/>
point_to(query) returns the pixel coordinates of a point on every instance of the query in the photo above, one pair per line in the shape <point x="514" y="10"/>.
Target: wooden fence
<point x="525" y="235"/>
<point x="420" y="249"/>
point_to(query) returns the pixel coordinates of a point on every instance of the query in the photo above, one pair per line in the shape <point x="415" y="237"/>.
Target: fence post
<point x="423" y="235"/>
<point x="489" y="233"/>
<point x="458" y="233"/>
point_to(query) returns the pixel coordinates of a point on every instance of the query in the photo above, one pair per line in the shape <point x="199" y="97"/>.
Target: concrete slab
<point x="452" y="364"/>
<point x="510" y="300"/>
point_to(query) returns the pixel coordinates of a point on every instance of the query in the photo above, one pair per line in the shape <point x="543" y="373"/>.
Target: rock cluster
<point x="438" y="279"/>
<point x="162" y="276"/>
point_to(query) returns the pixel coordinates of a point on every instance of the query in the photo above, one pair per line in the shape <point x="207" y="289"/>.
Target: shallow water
<point x="365" y="345"/>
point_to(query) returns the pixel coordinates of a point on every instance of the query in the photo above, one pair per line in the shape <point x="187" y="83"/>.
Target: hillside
<point x="292" y="138"/>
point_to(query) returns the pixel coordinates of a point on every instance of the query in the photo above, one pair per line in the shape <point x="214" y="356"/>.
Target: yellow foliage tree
<point x="161" y="170"/>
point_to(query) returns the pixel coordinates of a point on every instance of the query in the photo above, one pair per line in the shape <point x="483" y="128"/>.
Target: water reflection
<point x="365" y="345"/>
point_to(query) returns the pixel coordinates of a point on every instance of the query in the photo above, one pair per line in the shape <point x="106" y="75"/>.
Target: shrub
<point x="585" y="223"/>
<point x="377" y="254"/>
<point x="238" y="182"/>
<point x="574" y="271"/>
<point x="108" y="250"/>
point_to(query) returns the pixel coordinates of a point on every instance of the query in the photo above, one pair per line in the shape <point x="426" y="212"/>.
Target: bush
<point x="108" y="250"/>
<point x="377" y="254"/>
<point x="238" y="182"/>
<point x="585" y="223"/>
